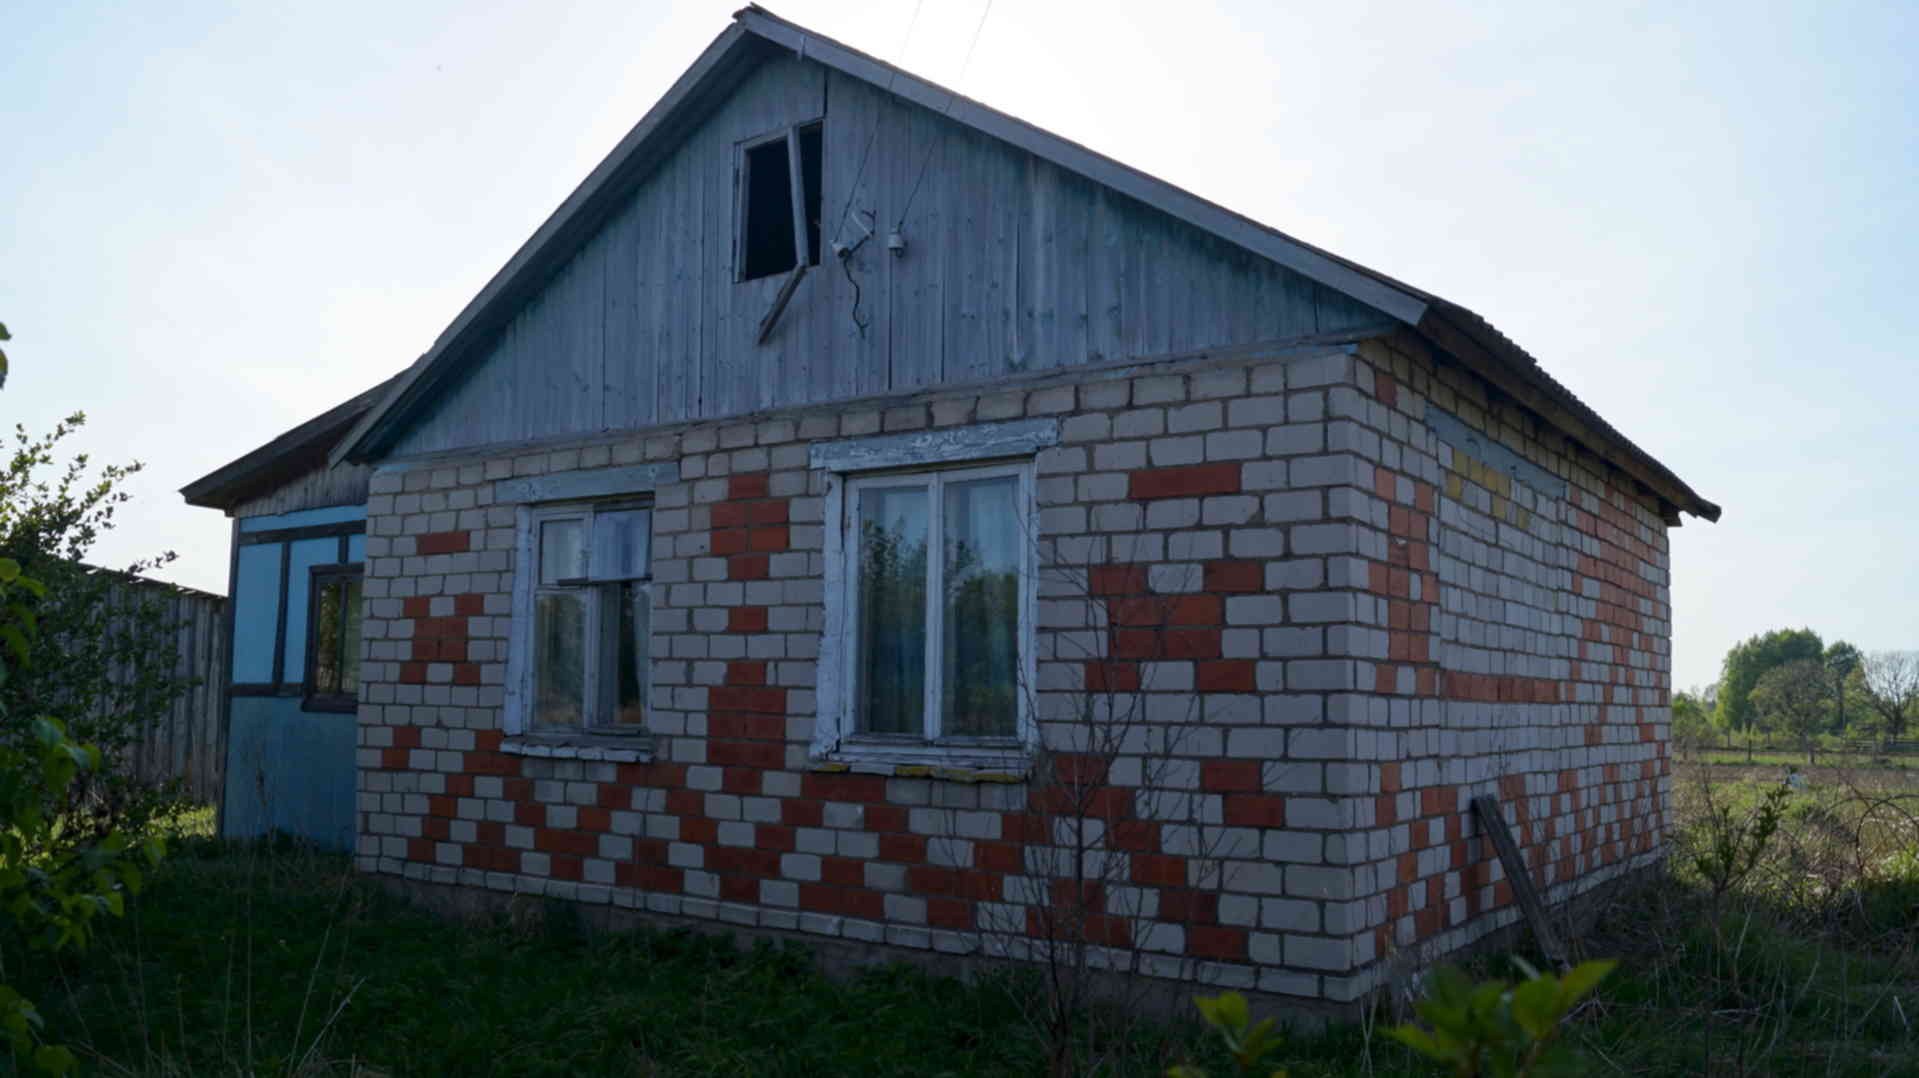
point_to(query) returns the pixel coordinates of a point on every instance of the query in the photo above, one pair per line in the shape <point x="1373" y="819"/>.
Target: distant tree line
<point x="1789" y="685"/>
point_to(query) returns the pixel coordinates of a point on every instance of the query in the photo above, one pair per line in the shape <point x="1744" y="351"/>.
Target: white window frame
<point x="528" y="587"/>
<point x="954" y="455"/>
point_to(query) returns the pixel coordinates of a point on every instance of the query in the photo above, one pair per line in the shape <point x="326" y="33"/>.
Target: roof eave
<point x="234" y="482"/>
<point x="1490" y="354"/>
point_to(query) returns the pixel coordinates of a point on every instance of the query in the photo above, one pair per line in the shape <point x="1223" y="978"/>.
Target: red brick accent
<point x="795" y="812"/>
<point x="746" y="619"/>
<point x="1235" y="576"/>
<point x="578" y="843"/>
<point x="1216" y="941"/>
<point x="1224" y="675"/>
<point x="1255" y="810"/>
<point x="1190" y="481"/>
<point x="1116" y="580"/>
<point x="747" y="485"/>
<point x="1230" y="776"/>
<point x="748" y="567"/>
<point x="1184" y="905"/>
<point x="1437" y="800"/>
<point x="1105" y="676"/>
<point x="907" y="849"/>
<point x="746" y="672"/>
<point x="1196" y="610"/>
<point x="416" y="606"/>
<point x="770" y="755"/>
<point x="761" y="699"/>
<point x="1162" y="870"/>
<point x="443" y="543"/>
<point x="829" y="786"/>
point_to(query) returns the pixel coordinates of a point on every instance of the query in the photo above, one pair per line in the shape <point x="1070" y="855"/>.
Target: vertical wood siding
<point x="344" y="485"/>
<point x="1012" y="264"/>
<point x="185" y="743"/>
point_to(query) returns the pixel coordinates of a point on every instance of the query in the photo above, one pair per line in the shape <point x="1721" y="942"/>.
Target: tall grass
<point x="258" y="959"/>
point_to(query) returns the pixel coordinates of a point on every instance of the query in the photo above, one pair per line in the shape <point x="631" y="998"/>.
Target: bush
<point x="102" y="660"/>
<point x="51" y="885"/>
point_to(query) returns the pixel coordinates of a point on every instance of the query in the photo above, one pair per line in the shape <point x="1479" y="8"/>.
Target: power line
<point x="871" y="134"/>
<point x="953" y="96"/>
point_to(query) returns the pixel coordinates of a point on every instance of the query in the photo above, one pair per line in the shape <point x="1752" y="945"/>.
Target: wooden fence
<point x="188" y="742"/>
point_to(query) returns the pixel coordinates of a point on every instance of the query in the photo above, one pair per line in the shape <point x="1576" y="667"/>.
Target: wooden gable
<point x="1011" y="264"/>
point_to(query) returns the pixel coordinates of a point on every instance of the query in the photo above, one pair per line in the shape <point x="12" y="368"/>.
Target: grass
<point x="249" y="959"/>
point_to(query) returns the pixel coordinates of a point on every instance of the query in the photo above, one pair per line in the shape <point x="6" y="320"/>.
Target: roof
<point x="756" y="34"/>
<point x="298" y="450"/>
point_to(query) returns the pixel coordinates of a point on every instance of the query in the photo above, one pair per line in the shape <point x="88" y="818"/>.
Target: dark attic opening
<point x="780" y="217"/>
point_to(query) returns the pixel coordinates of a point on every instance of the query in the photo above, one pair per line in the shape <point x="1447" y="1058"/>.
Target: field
<point x="253" y="959"/>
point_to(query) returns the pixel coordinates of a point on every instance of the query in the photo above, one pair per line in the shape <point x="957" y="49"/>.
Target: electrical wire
<point x="872" y="133"/>
<point x="953" y="96"/>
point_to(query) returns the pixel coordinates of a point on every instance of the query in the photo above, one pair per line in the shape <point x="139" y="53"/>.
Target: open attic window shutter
<point x="780" y="202"/>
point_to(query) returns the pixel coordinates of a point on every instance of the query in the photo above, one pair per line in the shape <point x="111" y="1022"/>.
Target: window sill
<point x="953" y="763"/>
<point x="619" y="749"/>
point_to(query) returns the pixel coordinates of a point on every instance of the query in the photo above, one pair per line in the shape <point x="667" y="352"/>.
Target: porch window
<point x="333" y="638"/>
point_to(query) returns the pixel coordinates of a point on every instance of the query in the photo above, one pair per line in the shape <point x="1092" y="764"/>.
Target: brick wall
<point x="1312" y="630"/>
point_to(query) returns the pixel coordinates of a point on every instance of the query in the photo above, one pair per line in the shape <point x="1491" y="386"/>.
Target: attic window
<point x="778" y="215"/>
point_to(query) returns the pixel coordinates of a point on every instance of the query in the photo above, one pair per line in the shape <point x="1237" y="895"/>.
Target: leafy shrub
<point x="1498" y="1029"/>
<point x="51" y="888"/>
<point x="1247" y="1042"/>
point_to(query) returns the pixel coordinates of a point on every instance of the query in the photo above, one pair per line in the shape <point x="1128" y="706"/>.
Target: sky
<point x="218" y="220"/>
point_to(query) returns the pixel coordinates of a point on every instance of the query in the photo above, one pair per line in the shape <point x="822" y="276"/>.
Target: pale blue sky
<point x="221" y="219"/>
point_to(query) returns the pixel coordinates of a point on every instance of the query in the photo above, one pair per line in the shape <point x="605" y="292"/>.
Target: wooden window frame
<point x="311" y="698"/>
<point x="525" y="674"/>
<point x="838" y="737"/>
<point x="804" y="252"/>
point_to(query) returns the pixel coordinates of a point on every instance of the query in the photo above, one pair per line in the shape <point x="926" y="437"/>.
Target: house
<point x="860" y="515"/>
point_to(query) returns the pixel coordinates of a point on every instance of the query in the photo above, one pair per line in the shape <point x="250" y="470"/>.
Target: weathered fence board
<point x="186" y="742"/>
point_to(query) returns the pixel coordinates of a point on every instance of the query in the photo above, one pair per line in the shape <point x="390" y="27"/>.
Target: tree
<point x="1792" y="699"/>
<point x="1749" y="660"/>
<point x="1691" y="719"/>
<point x="1890" y="683"/>
<point x="102" y="663"/>
<point x="51" y="888"/>
<point x="1841" y="660"/>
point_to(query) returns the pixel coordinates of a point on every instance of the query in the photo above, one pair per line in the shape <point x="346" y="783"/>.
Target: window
<point x="780" y="217"/>
<point x="586" y="643"/>
<point x="934" y="610"/>
<point x="333" y="638"/>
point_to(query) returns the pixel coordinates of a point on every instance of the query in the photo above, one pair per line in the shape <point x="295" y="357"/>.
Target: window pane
<point x="350" y="649"/>
<point x="326" y="636"/>
<point x="619" y="544"/>
<point x="562" y="550"/>
<point x="559" y="659"/>
<point x="980" y="628"/>
<point x="629" y="702"/>
<point x="891" y="665"/>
